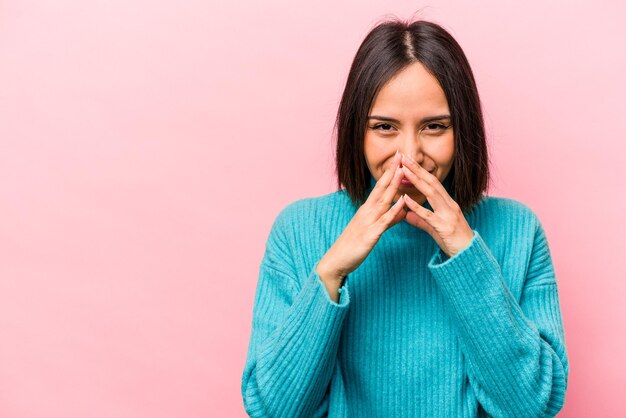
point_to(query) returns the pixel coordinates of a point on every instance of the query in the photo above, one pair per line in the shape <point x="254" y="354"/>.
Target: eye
<point x="380" y="125"/>
<point x="436" y="127"/>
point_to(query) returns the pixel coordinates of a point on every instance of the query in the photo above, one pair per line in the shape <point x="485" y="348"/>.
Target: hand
<point x="367" y="225"/>
<point x="446" y="224"/>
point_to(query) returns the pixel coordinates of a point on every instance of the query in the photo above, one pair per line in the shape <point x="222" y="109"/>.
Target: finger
<point x="392" y="189"/>
<point x="423" y="187"/>
<point x="426" y="176"/>
<point x="425" y="182"/>
<point x="415" y="220"/>
<point x="384" y="181"/>
<point x="420" y="210"/>
<point x="401" y="214"/>
<point x="393" y="215"/>
<point x="422" y="220"/>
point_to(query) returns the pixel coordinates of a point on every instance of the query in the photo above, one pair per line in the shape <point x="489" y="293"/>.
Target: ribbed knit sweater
<point x="415" y="333"/>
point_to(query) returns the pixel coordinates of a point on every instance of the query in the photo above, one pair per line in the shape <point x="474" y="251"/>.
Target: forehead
<point x="412" y="91"/>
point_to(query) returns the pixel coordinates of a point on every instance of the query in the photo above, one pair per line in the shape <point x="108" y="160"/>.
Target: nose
<point x="411" y="146"/>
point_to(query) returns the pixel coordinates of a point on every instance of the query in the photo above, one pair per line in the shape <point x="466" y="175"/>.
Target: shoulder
<point x="308" y="214"/>
<point x="514" y="234"/>
<point x="309" y="209"/>
<point x="505" y="210"/>
<point x="519" y="242"/>
<point x="506" y="204"/>
<point x="302" y="223"/>
<point x="507" y="225"/>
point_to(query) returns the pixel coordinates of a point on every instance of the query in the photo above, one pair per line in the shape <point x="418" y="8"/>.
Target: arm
<point x="515" y="352"/>
<point x="295" y="336"/>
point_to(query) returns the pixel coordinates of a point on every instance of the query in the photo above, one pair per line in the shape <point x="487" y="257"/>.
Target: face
<point x="410" y="114"/>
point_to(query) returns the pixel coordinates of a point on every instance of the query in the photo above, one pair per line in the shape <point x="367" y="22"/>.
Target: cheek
<point x="374" y="152"/>
<point x="443" y="152"/>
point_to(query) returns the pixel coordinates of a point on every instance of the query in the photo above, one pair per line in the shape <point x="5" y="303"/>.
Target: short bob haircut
<point x="387" y="49"/>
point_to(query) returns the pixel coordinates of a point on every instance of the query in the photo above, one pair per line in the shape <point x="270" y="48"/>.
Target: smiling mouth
<point x="432" y="171"/>
<point x="407" y="183"/>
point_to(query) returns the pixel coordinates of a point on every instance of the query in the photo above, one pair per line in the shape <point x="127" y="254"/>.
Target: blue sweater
<point x="415" y="333"/>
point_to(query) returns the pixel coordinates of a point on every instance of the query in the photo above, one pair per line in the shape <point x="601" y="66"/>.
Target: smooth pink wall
<point x="147" y="146"/>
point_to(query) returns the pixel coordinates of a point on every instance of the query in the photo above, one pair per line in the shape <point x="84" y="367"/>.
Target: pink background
<point x="146" y="148"/>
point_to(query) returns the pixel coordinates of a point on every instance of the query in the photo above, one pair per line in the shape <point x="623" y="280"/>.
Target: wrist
<point x="328" y="273"/>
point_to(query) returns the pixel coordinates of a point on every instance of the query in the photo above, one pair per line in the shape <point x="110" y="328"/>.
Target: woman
<point x="409" y="292"/>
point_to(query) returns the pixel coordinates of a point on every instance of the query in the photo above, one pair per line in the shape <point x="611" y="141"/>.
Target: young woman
<point x="408" y="292"/>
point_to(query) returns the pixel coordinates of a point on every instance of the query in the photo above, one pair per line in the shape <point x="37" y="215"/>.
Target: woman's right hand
<point x="364" y="229"/>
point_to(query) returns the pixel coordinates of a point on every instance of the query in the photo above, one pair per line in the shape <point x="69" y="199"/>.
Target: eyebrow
<point x="426" y="119"/>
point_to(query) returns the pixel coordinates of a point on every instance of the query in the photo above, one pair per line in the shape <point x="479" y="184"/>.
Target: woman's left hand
<point x="446" y="224"/>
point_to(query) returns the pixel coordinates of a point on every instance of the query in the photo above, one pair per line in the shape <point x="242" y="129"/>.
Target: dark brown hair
<point x="387" y="49"/>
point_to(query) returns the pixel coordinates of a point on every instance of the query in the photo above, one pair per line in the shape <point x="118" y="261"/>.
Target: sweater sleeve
<point x="515" y="352"/>
<point x="296" y="328"/>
